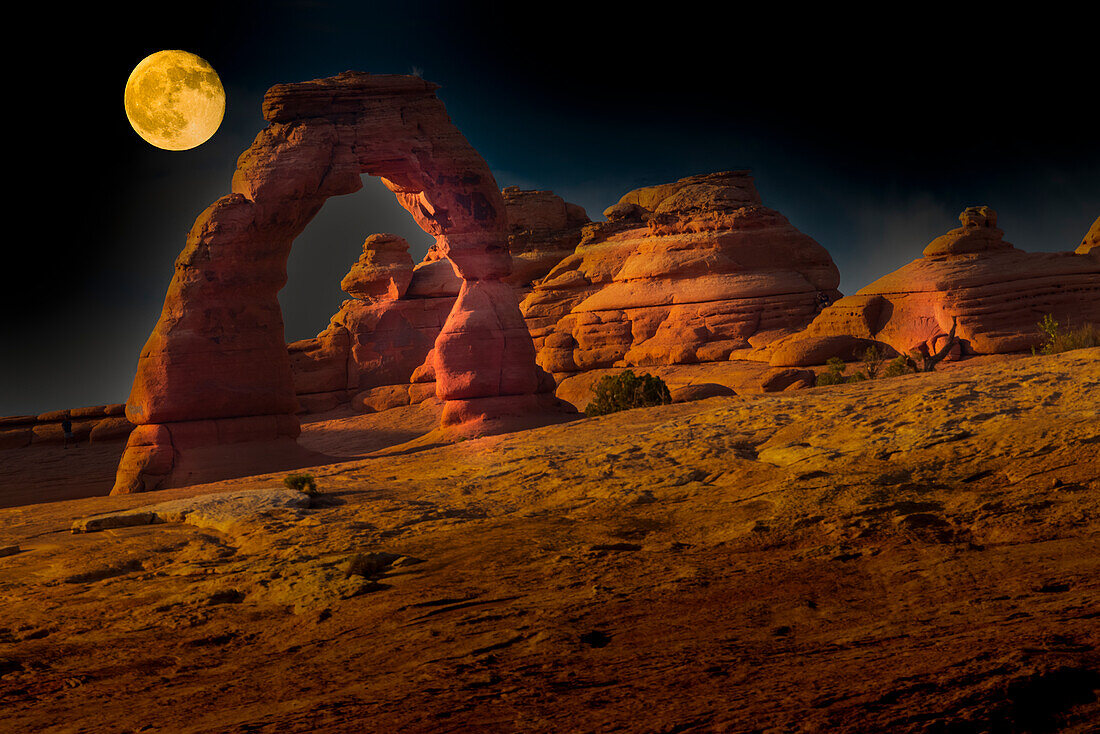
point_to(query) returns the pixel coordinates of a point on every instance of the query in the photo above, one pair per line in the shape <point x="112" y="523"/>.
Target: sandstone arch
<point x="215" y="370"/>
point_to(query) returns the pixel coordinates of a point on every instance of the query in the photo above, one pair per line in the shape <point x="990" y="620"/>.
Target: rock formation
<point x="997" y="293"/>
<point x="379" y="337"/>
<point x="216" y="369"/>
<point x="383" y="272"/>
<point x="543" y="230"/>
<point x="691" y="271"/>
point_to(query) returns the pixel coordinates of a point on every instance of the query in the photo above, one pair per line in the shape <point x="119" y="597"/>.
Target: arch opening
<point x="328" y="247"/>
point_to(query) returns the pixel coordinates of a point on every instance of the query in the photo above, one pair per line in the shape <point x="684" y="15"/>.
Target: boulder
<point x="381" y="398"/>
<point x="701" y="391"/>
<point x="803" y="351"/>
<point x="779" y="380"/>
<point x="383" y="272"/>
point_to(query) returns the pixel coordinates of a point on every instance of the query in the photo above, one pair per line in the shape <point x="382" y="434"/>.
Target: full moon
<point x="174" y="100"/>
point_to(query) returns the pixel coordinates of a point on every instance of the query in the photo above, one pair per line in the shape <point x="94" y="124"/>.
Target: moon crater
<point x="174" y="100"/>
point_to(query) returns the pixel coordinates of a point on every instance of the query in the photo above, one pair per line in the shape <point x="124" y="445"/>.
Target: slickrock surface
<point x="997" y="293"/>
<point x="218" y="511"/>
<point x="907" y="555"/>
<point x="52" y="472"/>
<point x="691" y="271"/>
<point x="216" y="369"/>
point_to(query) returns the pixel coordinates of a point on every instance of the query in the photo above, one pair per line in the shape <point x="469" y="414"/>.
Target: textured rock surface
<point x="997" y="293"/>
<point x="907" y="555"/>
<point x="685" y="272"/>
<point x="218" y="353"/>
<point x="219" y="511"/>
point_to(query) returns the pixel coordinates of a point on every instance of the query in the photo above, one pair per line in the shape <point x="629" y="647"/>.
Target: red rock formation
<point x="383" y="272"/>
<point x="379" y="336"/>
<point x="216" y="368"/>
<point x="997" y="293"/>
<point x="377" y="340"/>
<point x="681" y="273"/>
<point x="543" y="229"/>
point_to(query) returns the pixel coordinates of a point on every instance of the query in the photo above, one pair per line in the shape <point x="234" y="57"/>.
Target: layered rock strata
<point x="92" y="424"/>
<point x="694" y="271"/>
<point x="216" y="369"/>
<point x="995" y="292"/>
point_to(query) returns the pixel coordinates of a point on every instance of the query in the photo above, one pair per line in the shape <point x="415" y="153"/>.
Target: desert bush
<point x="1056" y="340"/>
<point x="301" y="483"/>
<point x="898" y="367"/>
<point x="627" y="390"/>
<point x="835" y="374"/>
<point x="873" y="360"/>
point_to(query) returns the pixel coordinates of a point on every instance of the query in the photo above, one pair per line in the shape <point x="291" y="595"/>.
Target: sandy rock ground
<point x="908" y="555"/>
<point x="53" y="472"/>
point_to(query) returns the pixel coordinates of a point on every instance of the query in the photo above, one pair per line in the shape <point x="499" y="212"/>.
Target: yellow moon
<point x="174" y="100"/>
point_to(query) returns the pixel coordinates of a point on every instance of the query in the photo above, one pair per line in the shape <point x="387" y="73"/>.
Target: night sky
<point x="870" y="131"/>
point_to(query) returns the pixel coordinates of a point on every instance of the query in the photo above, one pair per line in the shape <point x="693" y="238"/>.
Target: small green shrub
<point x="898" y="367"/>
<point x="835" y="374"/>
<point x="625" y="391"/>
<point x="873" y="360"/>
<point x="1056" y="340"/>
<point x="301" y="483"/>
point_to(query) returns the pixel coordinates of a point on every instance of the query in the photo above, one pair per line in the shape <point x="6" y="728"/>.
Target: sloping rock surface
<point x="219" y="511"/>
<point x="907" y="555"/>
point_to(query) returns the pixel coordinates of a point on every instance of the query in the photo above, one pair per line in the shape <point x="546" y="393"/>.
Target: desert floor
<point x="917" y="554"/>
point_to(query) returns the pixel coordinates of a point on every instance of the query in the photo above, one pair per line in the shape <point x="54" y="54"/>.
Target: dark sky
<point x="870" y="131"/>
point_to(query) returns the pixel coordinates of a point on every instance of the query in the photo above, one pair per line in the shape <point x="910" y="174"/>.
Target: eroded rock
<point x="681" y="273"/>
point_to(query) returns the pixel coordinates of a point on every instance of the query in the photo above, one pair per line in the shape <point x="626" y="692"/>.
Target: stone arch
<point x="215" y="370"/>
